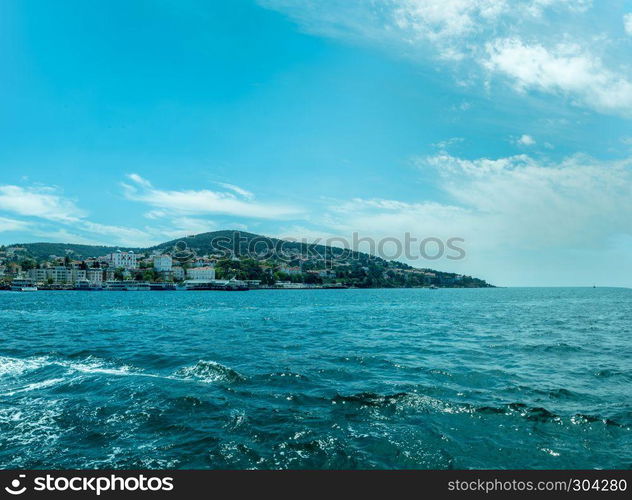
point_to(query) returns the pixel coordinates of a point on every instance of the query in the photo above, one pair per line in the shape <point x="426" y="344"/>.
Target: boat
<point x="114" y="286"/>
<point x="23" y="285"/>
<point x="134" y="286"/>
<point x="236" y="285"/>
<point x="231" y="285"/>
<point x="126" y="286"/>
<point x="87" y="286"/>
<point x="162" y="287"/>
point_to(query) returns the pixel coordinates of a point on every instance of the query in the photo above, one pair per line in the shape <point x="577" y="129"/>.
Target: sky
<point x="506" y="124"/>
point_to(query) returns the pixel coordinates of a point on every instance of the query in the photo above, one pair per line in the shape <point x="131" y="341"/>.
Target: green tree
<point x="150" y="275"/>
<point x="118" y="273"/>
<point x="27" y="264"/>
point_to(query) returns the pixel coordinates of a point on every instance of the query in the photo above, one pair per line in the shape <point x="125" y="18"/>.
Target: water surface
<point x="342" y="379"/>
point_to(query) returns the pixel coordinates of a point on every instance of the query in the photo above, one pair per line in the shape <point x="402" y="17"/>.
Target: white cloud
<point x="63" y="235"/>
<point x="127" y="235"/>
<point x="240" y="191"/>
<point x="448" y="143"/>
<point x="156" y="214"/>
<point x="180" y="227"/>
<point x="566" y="69"/>
<point x="578" y="202"/>
<point x="537" y="8"/>
<point x="40" y="202"/>
<point x="12" y="224"/>
<point x="440" y="19"/>
<point x="174" y="213"/>
<point x="204" y="201"/>
<point x="522" y="219"/>
<point x="302" y="233"/>
<point x="509" y="38"/>
<point x="526" y="140"/>
<point x="380" y="218"/>
<point x="627" y="23"/>
<point x="140" y="181"/>
<point x="46" y="204"/>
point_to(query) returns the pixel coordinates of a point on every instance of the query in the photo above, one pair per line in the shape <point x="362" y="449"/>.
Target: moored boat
<point x="137" y="287"/>
<point x="231" y="285"/>
<point x="23" y="285"/>
<point x="162" y="287"/>
<point x="114" y="286"/>
<point x="87" y="286"/>
<point x="126" y="286"/>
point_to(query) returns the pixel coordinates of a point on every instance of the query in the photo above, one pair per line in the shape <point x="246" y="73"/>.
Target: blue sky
<point x="507" y="124"/>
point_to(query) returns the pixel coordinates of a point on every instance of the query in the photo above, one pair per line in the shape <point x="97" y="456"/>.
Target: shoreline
<point x="257" y="289"/>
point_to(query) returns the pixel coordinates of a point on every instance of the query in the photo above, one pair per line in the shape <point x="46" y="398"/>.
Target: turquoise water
<point x="482" y="378"/>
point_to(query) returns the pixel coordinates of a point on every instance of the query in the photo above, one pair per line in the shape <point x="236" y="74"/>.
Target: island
<point x="218" y="260"/>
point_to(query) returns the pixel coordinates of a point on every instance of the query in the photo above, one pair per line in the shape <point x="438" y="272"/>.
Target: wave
<point x="30" y="424"/>
<point x="608" y="373"/>
<point x="558" y="347"/>
<point x="559" y="393"/>
<point x="202" y="371"/>
<point x="13" y="367"/>
<point x="209" y="371"/>
<point x="35" y="386"/>
<point x="93" y="365"/>
<point x="17" y="366"/>
<point x="403" y="401"/>
<point x="369" y="399"/>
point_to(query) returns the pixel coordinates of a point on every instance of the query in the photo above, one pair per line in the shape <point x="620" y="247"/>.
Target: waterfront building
<point x="178" y="273"/>
<point x="126" y="260"/>
<point x="39" y="275"/>
<point x="201" y="273"/>
<point x="163" y="263"/>
<point x="95" y="276"/>
<point x="57" y="274"/>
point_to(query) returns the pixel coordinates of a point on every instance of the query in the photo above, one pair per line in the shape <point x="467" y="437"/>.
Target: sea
<point x="490" y="378"/>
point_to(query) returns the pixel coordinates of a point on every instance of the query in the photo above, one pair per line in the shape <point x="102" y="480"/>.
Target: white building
<point x="163" y="263"/>
<point x="58" y="275"/>
<point x="202" y="262"/>
<point x="39" y="275"/>
<point x="178" y="273"/>
<point x="95" y="276"/>
<point x="292" y="271"/>
<point x="201" y="273"/>
<point x="126" y="260"/>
